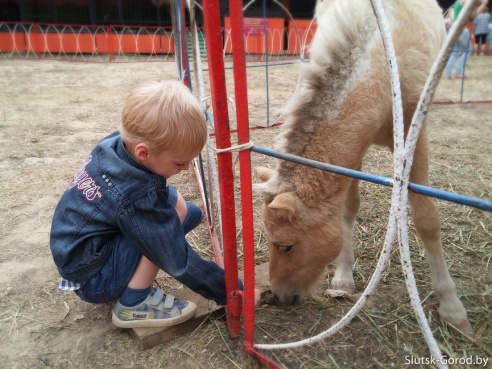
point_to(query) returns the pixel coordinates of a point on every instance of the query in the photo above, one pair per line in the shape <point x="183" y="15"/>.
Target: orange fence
<point x="126" y="43"/>
<point x="260" y="35"/>
<point x="269" y="36"/>
<point x="109" y="43"/>
<point x="300" y="35"/>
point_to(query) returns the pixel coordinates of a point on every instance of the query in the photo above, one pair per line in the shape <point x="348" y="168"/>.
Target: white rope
<point x="401" y="182"/>
<point x="402" y="164"/>
<point x="236" y="148"/>
<point x="233" y="104"/>
<point x="407" y="159"/>
<point x="304" y="42"/>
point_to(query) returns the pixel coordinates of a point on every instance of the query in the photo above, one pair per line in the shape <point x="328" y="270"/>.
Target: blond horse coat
<point x="344" y="105"/>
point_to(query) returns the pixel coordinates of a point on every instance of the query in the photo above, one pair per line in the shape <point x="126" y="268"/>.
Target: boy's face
<point x="167" y="165"/>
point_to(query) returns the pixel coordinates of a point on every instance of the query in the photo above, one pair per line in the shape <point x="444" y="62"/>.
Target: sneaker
<point x="158" y="310"/>
<point x="459" y="75"/>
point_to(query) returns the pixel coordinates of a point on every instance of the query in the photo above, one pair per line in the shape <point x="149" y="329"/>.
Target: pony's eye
<point x="284" y="248"/>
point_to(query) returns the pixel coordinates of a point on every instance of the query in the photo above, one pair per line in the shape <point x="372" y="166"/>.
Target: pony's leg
<point x="343" y="278"/>
<point x="428" y="225"/>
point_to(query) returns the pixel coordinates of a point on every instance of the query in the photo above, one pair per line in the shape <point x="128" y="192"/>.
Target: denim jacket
<point x="112" y="194"/>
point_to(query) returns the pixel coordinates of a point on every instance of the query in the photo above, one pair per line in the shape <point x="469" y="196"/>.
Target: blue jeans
<point x="463" y="45"/>
<point x="110" y="281"/>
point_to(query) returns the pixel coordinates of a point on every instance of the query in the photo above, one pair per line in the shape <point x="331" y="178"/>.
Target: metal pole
<point x="417" y="188"/>
<point x="224" y="161"/>
<point x="241" y="94"/>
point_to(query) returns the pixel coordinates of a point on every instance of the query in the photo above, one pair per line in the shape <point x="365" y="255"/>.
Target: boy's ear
<point x="142" y="151"/>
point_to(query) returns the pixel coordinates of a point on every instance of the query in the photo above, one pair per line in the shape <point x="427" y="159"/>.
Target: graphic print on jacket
<point x="86" y="183"/>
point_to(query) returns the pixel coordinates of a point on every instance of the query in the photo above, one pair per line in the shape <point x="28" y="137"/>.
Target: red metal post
<point x="262" y="358"/>
<point x="211" y="13"/>
<point x="183" y="34"/>
<point x="241" y="94"/>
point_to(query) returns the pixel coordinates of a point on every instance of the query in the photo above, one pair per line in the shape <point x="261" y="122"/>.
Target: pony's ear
<point x="264" y="173"/>
<point x="285" y="205"/>
<point x="265" y="188"/>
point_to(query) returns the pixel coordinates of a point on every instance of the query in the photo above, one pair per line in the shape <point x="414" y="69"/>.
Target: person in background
<point x="463" y="44"/>
<point x="448" y="20"/>
<point x="489" y="39"/>
<point x="481" y="26"/>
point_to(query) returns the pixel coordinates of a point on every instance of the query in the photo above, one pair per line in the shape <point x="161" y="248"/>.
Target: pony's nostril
<point x="291" y="300"/>
<point x="272" y="298"/>
<point x="296" y="300"/>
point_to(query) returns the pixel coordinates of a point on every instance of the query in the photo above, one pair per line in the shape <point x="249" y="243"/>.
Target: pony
<point x="342" y="107"/>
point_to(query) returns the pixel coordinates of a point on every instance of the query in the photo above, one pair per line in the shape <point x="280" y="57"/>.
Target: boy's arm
<point x="155" y="229"/>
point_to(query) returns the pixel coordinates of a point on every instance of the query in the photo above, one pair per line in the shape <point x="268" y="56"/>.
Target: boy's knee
<point x="189" y="214"/>
<point x="193" y="217"/>
<point x="181" y="208"/>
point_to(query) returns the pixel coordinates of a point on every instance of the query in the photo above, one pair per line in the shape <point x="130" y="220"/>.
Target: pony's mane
<point x="340" y="58"/>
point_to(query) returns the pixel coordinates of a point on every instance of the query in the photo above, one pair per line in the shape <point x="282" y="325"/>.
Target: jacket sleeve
<point x="155" y="229"/>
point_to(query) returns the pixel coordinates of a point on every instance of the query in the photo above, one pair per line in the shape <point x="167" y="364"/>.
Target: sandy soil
<point x="52" y="113"/>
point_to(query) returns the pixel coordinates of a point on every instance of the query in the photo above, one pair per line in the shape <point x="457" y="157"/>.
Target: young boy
<point x="118" y="222"/>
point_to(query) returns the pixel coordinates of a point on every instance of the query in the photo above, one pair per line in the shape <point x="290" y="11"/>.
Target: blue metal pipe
<point x="275" y="64"/>
<point x="420" y="189"/>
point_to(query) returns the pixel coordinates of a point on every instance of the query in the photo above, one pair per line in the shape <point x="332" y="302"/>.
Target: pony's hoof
<point x="463" y="328"/>
<point x="345" y="285"/>
<point x="336" y="293"/>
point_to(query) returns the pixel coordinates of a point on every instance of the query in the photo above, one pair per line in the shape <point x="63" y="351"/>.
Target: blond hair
<point x="166" y="116"/>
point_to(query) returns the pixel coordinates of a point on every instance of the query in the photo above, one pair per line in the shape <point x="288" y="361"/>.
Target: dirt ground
<point x="51" y="115"/>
